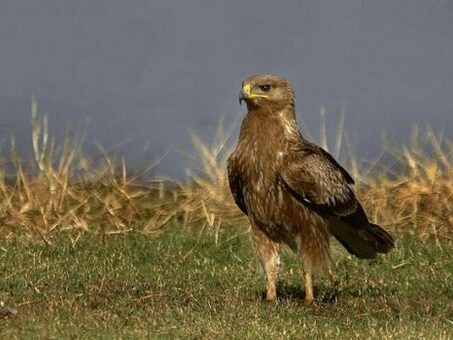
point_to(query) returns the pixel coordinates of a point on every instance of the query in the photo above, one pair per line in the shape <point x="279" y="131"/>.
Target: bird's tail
<point x="365" y="242"/>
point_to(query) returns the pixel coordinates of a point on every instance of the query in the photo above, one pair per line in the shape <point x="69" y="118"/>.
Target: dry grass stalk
<point x="418" y="198"/>
<point x="66" y="191"/>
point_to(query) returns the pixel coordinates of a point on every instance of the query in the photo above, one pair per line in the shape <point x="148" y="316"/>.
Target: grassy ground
<point x="187" y="284"/>
<point x="89" y="250"/>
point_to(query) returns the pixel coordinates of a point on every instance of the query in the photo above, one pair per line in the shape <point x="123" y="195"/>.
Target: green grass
<point x="186" y="285"/>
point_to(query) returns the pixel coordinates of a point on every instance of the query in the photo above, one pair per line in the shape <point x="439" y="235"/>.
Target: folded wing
<point x="316" y="180"/>
<point x="236" y="184"/>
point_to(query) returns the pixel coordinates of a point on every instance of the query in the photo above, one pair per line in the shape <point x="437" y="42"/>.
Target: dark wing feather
<point x="236" y="184"/>
<point x="315" y="179"/>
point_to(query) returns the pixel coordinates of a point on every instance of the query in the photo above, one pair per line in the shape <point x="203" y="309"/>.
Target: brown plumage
<point x="292" y="191"/>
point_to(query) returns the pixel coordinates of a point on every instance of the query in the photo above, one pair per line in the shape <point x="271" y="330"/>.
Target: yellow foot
<point x="271" y="295"/>
<point x="313" y="304"/>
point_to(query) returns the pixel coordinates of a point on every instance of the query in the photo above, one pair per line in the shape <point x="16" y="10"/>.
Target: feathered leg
<point x="267" y="252"/>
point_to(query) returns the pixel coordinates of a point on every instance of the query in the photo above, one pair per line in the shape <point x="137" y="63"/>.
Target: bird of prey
<point x="293" y="191"/>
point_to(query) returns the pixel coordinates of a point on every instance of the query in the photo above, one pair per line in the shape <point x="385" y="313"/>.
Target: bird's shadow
<point x="295" y="293"/>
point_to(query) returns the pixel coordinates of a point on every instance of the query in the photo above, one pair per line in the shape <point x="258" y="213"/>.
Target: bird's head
<point x="267" y="91"/>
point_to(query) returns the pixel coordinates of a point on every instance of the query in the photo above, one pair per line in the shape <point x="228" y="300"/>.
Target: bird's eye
<point x="265" y="88"/>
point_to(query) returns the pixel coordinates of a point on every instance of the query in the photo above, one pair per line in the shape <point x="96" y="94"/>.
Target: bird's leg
<point x="308" y="276"/>
<point x="267" y="252"/>
<point x="307" y="269"/>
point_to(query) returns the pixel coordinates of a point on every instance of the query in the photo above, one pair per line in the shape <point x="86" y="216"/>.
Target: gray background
<point x="141" y="74"/>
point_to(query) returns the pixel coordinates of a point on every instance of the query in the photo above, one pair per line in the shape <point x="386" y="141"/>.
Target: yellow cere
<point x="248" y="92"/>
<point x="246" y="89"/>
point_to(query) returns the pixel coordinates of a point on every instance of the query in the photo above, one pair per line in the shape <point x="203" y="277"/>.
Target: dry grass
<point x="63" y="190"/>
<point x="418" y="197"/>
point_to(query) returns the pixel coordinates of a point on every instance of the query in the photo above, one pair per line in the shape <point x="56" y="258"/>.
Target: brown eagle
<point x="292" y="191"/>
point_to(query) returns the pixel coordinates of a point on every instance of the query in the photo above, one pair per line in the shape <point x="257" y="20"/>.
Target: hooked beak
<point x="245" y="93"/>
<point x="242" y="97"/>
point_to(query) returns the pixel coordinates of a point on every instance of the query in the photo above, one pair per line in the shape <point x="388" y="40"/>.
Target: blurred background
<point x="141" y="75"/>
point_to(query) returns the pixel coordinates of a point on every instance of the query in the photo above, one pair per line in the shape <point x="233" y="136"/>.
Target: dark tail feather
<point x="382" y="239"/>
<point x="365" y="242"/>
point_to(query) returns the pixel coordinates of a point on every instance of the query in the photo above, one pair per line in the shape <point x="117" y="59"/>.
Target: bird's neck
<point x="276" y="123"/>
<point x="270" y="112"/>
